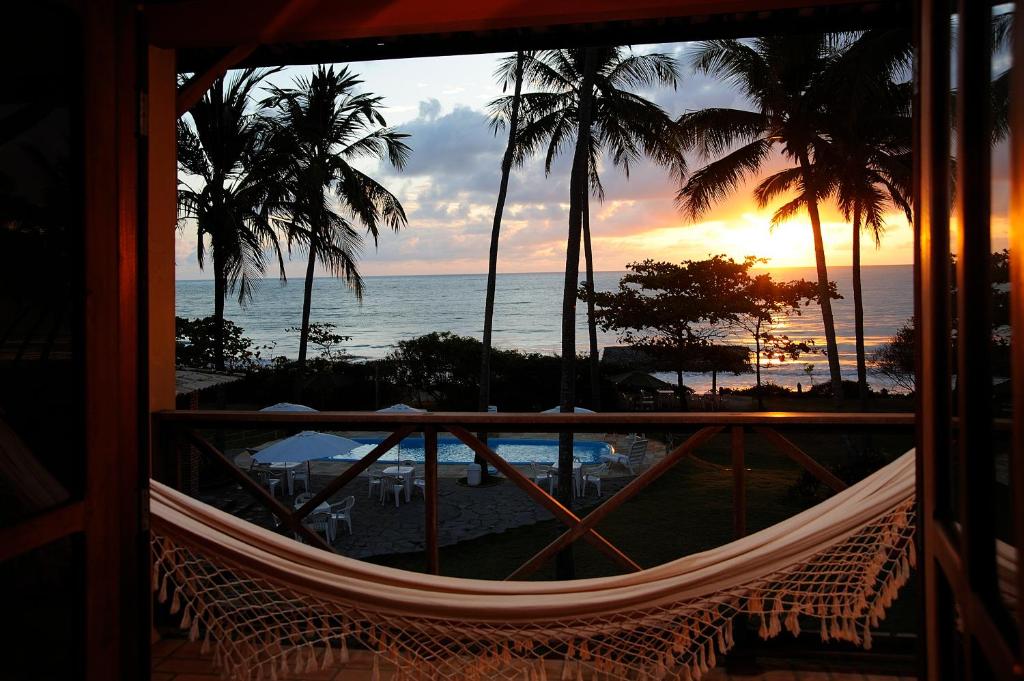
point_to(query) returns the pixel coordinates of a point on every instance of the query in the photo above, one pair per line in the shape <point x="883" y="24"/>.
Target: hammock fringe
<point x="262" y="626"/>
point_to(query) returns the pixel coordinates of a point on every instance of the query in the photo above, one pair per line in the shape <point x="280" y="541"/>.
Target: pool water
<point x="453" y="450"/>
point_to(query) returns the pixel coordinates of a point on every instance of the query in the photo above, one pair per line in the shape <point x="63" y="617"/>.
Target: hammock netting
<point x="268" y="607"/>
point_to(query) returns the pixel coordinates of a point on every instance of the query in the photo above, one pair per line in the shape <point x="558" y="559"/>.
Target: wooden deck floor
<point x="178" y="660"/>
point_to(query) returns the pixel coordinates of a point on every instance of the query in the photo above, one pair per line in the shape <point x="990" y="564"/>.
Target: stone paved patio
<point x="463" y="512"/>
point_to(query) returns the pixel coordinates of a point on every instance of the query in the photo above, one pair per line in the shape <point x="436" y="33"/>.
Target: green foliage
<point x="676" y="312"/>
<point x="444" y="369"/>
<point x="195" y="346"/>
<point x="896" y="359"/>
<point x="322" y="335"/>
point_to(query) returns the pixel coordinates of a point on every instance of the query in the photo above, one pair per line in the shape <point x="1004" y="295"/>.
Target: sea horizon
<point x="474" y="274"/>
<point x="528" y="316"/>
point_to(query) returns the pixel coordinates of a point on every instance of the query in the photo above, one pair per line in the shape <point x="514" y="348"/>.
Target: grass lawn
<point x="689" y="509"/>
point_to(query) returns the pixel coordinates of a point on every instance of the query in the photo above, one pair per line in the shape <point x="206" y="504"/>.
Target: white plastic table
<point x="577" y="474"/>
<point x="289" y="468"/>
<point x="406" y="473"/>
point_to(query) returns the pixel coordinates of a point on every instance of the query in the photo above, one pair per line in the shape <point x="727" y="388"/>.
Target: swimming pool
<point x="453" y="450"/>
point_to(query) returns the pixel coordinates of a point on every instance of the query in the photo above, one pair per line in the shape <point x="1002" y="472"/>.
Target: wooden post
<point x="430" y="500"/>
<point x="739" y="485"/>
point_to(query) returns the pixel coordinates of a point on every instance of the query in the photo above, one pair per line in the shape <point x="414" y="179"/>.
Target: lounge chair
<point x="633" y="459"/>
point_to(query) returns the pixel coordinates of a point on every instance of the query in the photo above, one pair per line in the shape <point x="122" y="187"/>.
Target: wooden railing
<point x="174" y="428"/>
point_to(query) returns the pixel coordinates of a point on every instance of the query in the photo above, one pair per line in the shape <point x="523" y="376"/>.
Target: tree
<point x="195" y="344"/>
<point x="789" y="81"/>
<point x="765" y="302"/>
<point x="624" y="125"/>
<point x="492" y="260"/>
<point x="896" y="360"/>
<point x="868" y="151"/>
<point x="230" y="149"/>
<point x="674" y="311"/>
<point x="326" y="125"/>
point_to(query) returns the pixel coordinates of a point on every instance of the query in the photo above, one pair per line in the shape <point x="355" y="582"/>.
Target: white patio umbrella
<point x="400" y="409"/>
<point x="577" y="410"/>
<point x="306" y="446"/>
<point x="287" y="406"/>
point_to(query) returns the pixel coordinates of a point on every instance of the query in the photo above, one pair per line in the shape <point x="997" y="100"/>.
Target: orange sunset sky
<point x="450" y="185"/>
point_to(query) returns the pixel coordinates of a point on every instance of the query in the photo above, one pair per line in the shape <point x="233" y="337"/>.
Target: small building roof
<point x="188" y="381"/>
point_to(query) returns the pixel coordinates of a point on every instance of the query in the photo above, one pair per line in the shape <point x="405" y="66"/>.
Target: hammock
<point x="268" y="606"/>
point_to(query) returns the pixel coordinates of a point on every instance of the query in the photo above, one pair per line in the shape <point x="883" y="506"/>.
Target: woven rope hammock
<point x="269" y="607"/>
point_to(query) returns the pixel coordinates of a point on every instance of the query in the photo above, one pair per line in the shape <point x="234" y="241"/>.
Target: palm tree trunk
<point x="858" y="313"/>
<point x="831" y="348"/>
<point x="492" y="261"/>
<point x="219" y="293"/>
<point x="564" y="564"/>
<point x="757" y="364"/>
<point x="307" y="300"/>
<point x="588" y="256"/>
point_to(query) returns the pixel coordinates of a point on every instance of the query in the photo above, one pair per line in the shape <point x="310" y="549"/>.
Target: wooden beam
<point x="199" y="24"/>
<point x="41" y="530"/>
<point x="633" y="488"/>
<point x="801" y="457"/>
<point x="193" y="90"/>
<point x="261" y="495"/>
<point x="353" y="471"/>
<point x="533" y="422"/>
<point x="430" y="499"/>
<point x="739" y="484"/>
<point x="277" y="20"/>
<point x="541" y="497"/>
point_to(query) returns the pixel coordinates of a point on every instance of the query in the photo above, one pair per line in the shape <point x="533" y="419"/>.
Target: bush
<point x="768" y="389"/>
<point x="194" y="344"/>
<point x="850" y="390"/>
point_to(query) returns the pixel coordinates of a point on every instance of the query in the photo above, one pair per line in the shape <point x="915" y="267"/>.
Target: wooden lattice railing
<point x="174" y="428"/>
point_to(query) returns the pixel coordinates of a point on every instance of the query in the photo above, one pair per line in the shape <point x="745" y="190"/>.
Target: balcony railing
<point x="175" y="429"/>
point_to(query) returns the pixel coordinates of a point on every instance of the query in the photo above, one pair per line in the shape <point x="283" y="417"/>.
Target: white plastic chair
<point x="301" y="474"/>
<point x="342" y="511"/>
<point x="268" y="480"/>
<point x="419" y="481"/>
<point x="394" y="485"/>
<point x="541" y="475"/>
<point x="376" y="479"/>
<point x="301" y="499"/>
<point x="321" y="521"/>
<point x="592" y="476"/>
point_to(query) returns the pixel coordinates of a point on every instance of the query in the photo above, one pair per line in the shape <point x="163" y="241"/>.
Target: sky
<point x="450" y="185"/>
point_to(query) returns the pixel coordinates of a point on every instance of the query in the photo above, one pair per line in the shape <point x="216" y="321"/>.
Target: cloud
<point x="430" y="108"/>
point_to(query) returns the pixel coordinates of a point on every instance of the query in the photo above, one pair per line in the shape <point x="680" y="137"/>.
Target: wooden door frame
<point x="961" y="613"/>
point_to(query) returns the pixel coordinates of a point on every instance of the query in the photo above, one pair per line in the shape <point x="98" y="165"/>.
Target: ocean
<point x="527" y="315"/>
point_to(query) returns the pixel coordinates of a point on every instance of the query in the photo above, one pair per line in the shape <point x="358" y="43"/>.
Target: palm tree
<point x="870" y="154"/>
<point x="325" y="125"/>
<point x="492" y="262"/>
<point x="624" y="125"/>
<point x="866" y="151"/>
<point x="787" y="79"/>
<point x="229" y="148"/>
